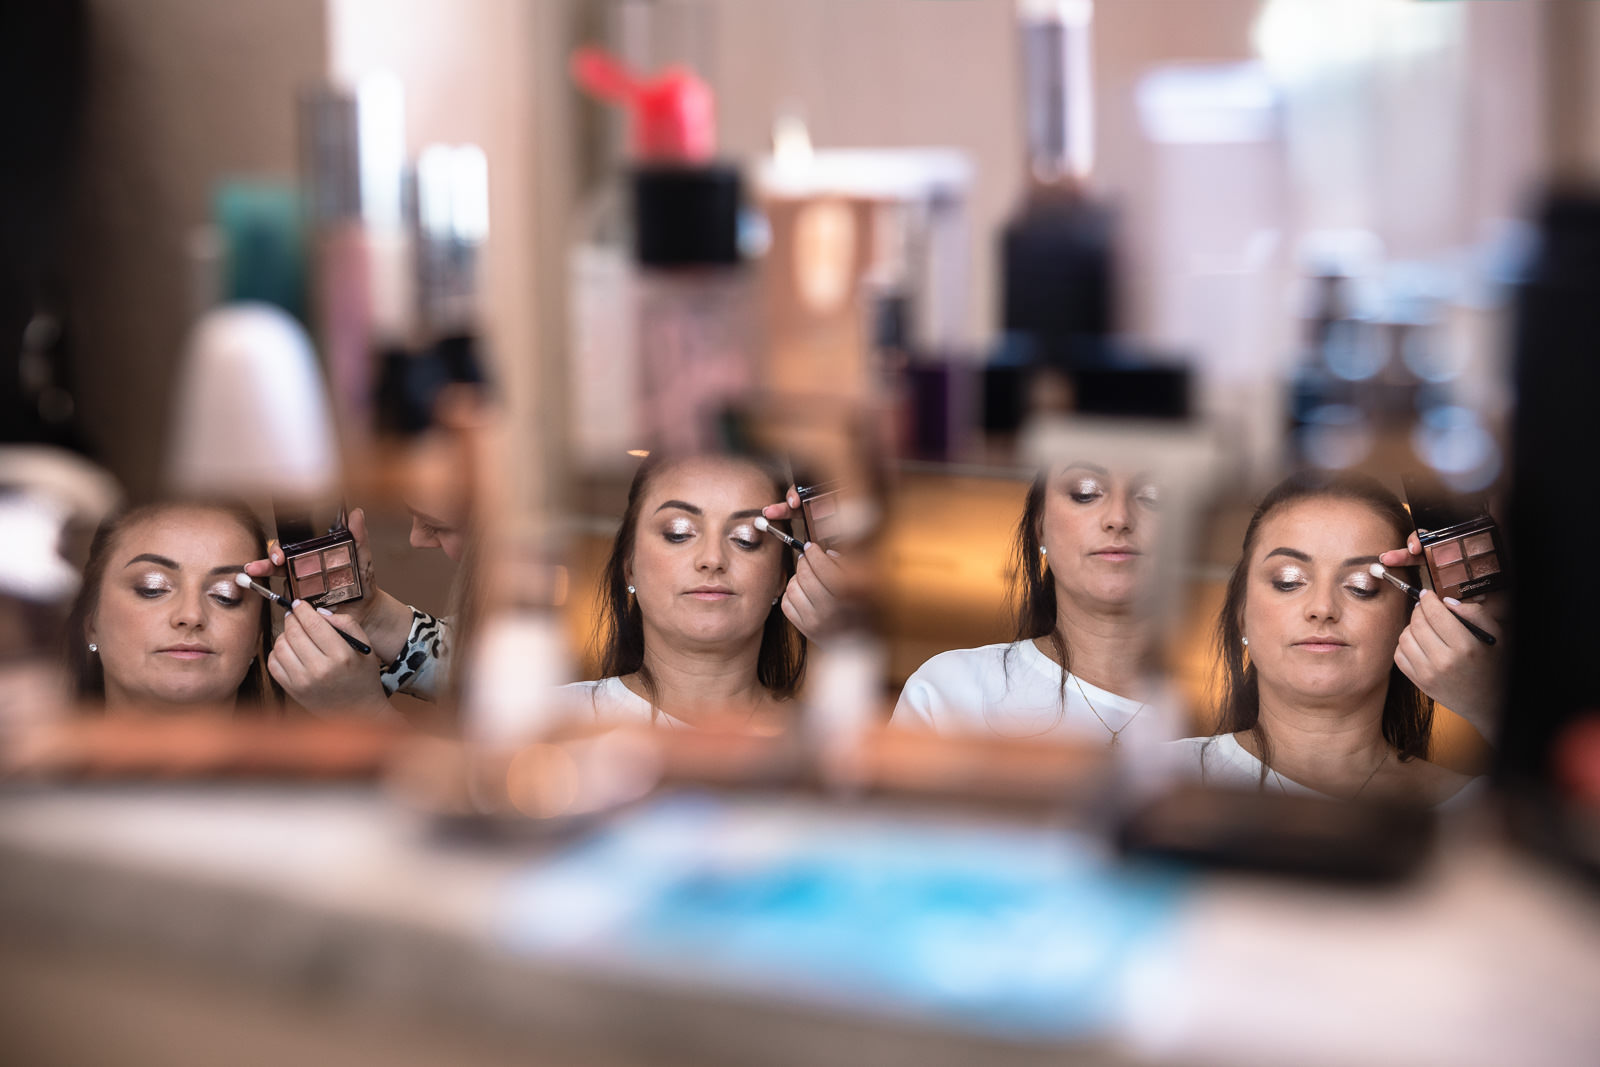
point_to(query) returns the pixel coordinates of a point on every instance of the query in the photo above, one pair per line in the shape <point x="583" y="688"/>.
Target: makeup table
<point x="256" y="924"/>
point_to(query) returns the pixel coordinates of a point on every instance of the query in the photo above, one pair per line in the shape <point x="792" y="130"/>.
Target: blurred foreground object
<point x="1553" y="690"/>
<point x="165" y="747"/>
<point x="46" y="497"/>
<point x="251" y="414"/>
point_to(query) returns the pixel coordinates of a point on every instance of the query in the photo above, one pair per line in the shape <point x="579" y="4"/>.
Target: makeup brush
<point x="766" y="527"/>
<point x="1380" y="571"/>
<point x="244" y="580"/>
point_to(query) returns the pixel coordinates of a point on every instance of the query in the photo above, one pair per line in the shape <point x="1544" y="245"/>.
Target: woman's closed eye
<point x="746" y="537"/>
<point x="1084" y="490"/>
<point x="1289" y="579"/>
<point x="226" y="593"/>
<point x="1363" y="586"/>
<point x="678" y="531"/>
<point x="151" y="587"/>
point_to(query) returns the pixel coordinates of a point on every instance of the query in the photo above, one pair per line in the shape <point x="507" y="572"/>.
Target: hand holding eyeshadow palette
<point x="1460" y="543"/>
<point x="322" y="566"/>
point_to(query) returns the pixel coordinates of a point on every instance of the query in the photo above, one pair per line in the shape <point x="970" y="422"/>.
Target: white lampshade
<point x="251" y="413"/>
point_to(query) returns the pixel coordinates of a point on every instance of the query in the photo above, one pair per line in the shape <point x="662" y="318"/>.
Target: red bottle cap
<point x="674" y="113"/>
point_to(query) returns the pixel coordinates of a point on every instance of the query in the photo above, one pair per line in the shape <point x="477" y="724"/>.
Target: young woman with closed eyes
<point x="1313" y="700"/>
<point x="1083" y="557"/>
<point x="691" y="624"/>
<point x="159" y="621"/>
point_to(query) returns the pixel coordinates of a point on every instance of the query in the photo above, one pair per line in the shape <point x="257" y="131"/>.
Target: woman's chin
<point x="1323" y="687"/>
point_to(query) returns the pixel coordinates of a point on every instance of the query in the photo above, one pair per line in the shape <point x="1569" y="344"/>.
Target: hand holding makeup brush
<point x="379" y="615"/>
<point x="827" y="585"/>
<point x="1449" y="664"/>
<point x="320" y="671"/>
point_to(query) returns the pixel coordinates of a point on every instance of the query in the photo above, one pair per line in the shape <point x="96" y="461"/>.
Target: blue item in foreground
<point x="1018" y="931"/>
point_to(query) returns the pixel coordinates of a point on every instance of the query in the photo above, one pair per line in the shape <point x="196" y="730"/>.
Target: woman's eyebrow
<point x="747" y="514"/>
<point x="1090" y="467"/>
<point x="682" y="506"/>
<point x="149" y="557"/>
<point x="226" y="568"/>
<point x="1292" y="553"/>
<point x="1356" y="561"/>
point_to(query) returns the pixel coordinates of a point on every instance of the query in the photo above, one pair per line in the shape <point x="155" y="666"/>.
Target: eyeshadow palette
<point x="819" y="508"/>
<point x="320" y="556"/>
<point x="325" y="575"/>
<point x="1459" y="542"/>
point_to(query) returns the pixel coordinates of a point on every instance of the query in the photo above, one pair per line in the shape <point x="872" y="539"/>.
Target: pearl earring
<point x="630" y="590"/>
<point x="93" y="647"/>
<point x="774" y="601"/>
<point x="1043" y="551"/>
<point x="1244" y="641"/>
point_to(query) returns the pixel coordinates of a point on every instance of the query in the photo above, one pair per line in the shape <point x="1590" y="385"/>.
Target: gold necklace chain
<point x="1114" y="733"/>
<point x="1370" y="775"/>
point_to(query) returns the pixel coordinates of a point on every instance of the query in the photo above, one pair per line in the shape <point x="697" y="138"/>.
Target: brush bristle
<point x="1377" y="570"/>
<point x="761" y="523"/>
<point x="242" y="579"/>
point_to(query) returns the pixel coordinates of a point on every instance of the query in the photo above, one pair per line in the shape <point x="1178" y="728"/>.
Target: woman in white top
<point x="1313" y="700"/>
<point x="691" y="627"/>
<point x="1083" y="557"/>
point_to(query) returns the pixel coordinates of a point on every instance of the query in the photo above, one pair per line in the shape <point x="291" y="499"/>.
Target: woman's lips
<point x="1321" y="644"/>
<point x="185" y="652"/>
<point x="1116" y="555"/>
<point x="710" y="594"/>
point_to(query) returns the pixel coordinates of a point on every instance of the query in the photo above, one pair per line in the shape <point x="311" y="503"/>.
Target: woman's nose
<point x="1323" y="604"/>
<point x="711" y="556"/>
<point x="188" y="608"/>
<point x="1118" y="516"/>
<point x="420" y="537"/>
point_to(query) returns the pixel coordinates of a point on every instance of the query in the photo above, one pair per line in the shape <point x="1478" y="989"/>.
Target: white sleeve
<point x="914" y="709"/>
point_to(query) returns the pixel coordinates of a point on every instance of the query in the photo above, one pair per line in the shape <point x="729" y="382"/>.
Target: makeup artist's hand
<point x="1409" y="556"/>
<point x="814" y="598"/>
<point x="381" y="616"/>
<point x="787" y="508"/>
<point x="319" y="669"/>
<point x="1448" y="663"/>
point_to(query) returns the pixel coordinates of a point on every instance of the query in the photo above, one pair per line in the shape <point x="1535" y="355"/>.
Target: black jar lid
<point x="686" y="216"/>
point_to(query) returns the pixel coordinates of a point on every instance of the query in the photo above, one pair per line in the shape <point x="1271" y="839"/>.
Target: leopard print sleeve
<point x="422" y="666"/>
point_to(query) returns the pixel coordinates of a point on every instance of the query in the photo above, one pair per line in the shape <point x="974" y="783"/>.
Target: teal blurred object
<point x="264" y="241"/>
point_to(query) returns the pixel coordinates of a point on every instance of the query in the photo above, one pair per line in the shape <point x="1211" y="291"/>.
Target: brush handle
<point x="366" y="649"/>
<point x="1476" y="631"/>
<point x="283" y="602"/>
<point x="1472" y="628"/>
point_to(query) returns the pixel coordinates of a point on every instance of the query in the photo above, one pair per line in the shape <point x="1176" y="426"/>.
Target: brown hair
<point x="781" y="662"/>
<point x="1407" y="711"/>
<point x="84" y="668"/>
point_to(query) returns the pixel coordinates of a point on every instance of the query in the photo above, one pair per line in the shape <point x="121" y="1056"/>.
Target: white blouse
<point x="1014" y="690"/>
<point x="1222" y="761"/>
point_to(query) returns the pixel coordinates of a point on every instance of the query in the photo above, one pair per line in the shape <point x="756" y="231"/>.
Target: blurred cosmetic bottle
<point x="363" y="302"/>
<point x="1058" y="298"/>
<point x="693" y="299"/>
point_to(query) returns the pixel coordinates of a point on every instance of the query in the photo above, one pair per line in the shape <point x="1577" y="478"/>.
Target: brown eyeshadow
<point x="1454" y="574"/>
<point x="309" y="586"/>
<point x="310" y="563"/>
<point x="1480" y="543"/>
<point x="1446" y="554"/>
<point x="1482" y="565"/>
<point x="339" y="579"/>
